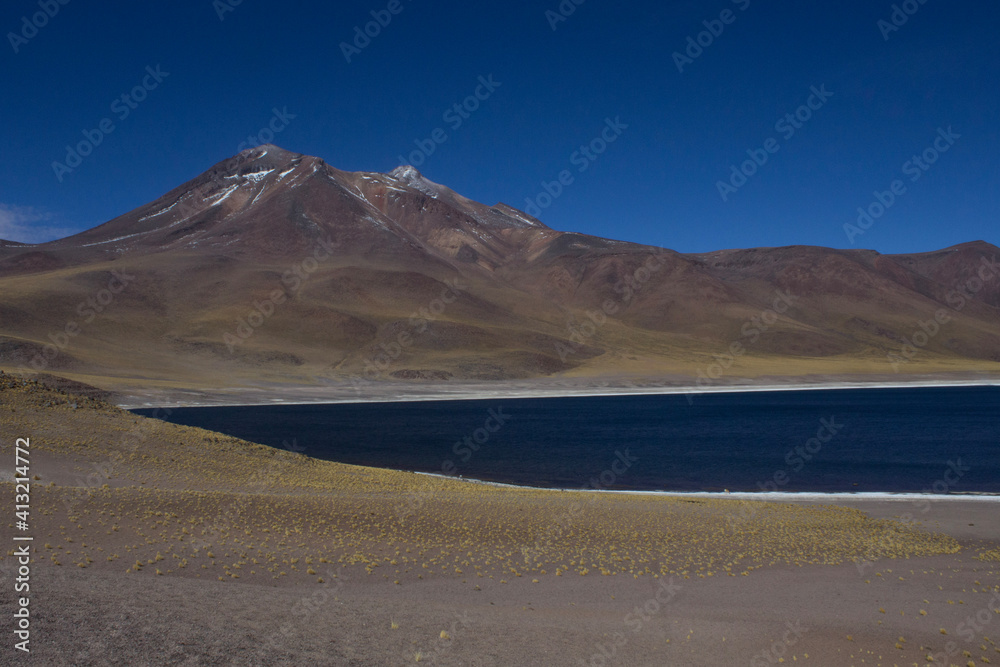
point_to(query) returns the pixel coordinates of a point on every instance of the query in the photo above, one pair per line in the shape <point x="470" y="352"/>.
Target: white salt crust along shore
<point x="460" y="394"/>
<point x="770" y="496"/>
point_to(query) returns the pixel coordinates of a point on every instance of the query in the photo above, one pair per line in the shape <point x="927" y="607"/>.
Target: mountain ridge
<point x="510" y="296"/>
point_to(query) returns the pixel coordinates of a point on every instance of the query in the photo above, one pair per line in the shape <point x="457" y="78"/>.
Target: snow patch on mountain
<point x="258" y="196"/>
<point x="120" y="238"/>
<point x="225" y="195"/>
<point x="409" y="176"/>
<point x="160" y="212"/>
<point x="259" y="176"/>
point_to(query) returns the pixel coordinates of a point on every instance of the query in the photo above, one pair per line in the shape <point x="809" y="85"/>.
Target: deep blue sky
<point x="657" y="183"/>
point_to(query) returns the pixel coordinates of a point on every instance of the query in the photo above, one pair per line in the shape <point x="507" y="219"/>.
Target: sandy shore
<point x="160" y="544"/>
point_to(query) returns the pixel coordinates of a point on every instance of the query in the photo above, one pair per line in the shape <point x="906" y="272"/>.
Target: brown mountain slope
<point x="274" y="267"/>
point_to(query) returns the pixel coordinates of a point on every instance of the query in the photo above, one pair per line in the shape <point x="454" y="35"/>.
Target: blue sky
<point x="553" y="91"/>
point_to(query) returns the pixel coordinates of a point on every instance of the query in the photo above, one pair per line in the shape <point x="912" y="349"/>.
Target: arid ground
<point x="161" y="544"/>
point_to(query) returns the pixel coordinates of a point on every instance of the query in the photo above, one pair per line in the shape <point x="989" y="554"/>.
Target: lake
<point x="932" y="440"/>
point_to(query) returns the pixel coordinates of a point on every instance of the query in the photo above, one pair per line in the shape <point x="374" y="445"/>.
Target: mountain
<point x="275" y="269"/>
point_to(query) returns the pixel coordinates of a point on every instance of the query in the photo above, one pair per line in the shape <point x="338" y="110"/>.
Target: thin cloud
<point x="28" y="224"/>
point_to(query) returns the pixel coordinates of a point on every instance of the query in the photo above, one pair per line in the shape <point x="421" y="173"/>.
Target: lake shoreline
<point x="753" y="446"/>
<point x="429" y="393"/>
<point x="762" y="496"/>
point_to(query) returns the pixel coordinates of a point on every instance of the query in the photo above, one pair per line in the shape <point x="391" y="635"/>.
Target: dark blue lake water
<point x="845" y="440"/>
